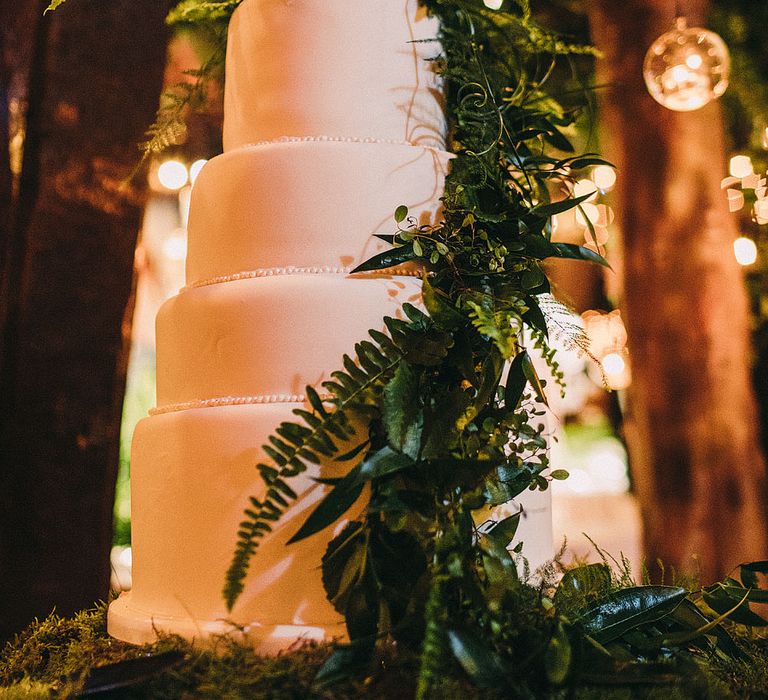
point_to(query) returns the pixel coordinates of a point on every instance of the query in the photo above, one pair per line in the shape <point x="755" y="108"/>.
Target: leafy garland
<point x="447" y="434"/>
<point x="452" y="405"/>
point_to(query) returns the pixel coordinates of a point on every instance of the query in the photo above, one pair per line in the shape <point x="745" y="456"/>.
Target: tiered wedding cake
<point x="332" y="120"/>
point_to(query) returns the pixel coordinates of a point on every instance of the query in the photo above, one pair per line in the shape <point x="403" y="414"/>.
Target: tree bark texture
<point x="93" y="83"/>
<point x="691" y="423"/>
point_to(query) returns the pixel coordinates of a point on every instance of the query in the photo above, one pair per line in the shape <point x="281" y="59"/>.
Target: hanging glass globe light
<point x="687" y="67"/>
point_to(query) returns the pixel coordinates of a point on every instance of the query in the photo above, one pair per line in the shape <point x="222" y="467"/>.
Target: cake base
<point x="134" y="626"/>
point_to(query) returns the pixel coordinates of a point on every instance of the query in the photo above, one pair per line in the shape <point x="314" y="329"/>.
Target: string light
<point x="172" y="174"/>
<point x="740" y="166"/>
<point x="195" y="168"/>
<point x="493" y="4"/>
<point x="604" y="177"/>
<point x="687" y="67"/>
<point x="587" y="211"/>
<point x="745" y="251"/>
<point x="584" y="187"/>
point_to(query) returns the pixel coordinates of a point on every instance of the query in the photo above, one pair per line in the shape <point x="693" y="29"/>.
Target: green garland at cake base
<point x="57" y="656"/>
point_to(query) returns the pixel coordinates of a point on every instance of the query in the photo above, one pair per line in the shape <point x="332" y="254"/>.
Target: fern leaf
<point x="433" y="646"/>
<point x="296" y="444"/>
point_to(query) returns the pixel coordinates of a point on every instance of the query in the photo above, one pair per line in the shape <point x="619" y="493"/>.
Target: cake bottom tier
<point x="192" y="473"/>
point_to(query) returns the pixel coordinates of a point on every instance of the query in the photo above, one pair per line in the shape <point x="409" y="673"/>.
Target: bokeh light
<point x="687" y="67"/>
<point x="172" y="174"/>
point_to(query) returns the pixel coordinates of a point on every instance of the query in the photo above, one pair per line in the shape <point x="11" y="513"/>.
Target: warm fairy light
<point x="740" y="166"/>
<point x="761" y="211"/>
<point x="195" y="168"/>
<point x="604" y="177"/>
<point x="493" y="4"/>
<point x="590" y="211"/>
<point x="172" y="174"/>
<point x="616" y="372"/>
<point x="613" y="363"/>
<point x="584" y="187"/>
<point x="687" y="67"/>
<point x="745" y="251"/>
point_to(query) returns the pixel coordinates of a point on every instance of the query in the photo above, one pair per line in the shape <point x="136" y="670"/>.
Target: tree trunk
<point x="691" y="421"/>
<point x="95" y="75"/>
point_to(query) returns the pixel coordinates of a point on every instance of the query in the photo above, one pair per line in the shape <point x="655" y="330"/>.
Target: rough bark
<point x="691" y="423"/>
<point x="94" y="80"/>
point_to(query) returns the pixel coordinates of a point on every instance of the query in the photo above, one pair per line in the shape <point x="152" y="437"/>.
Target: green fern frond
<point x="433" y="648"/>
<point x="502" y="325"/>
<point x="297" y="444"/>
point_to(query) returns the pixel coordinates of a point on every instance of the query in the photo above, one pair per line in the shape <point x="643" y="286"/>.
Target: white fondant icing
<point x="192" y="474"/>
<point x="333" y="67"/>
<point x="268" y="335"/>
<point x="306" y="205"/>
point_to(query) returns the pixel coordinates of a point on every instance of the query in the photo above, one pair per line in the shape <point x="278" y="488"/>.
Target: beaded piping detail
<point x="291" y="270"/>
<point x="233" y="401"/>
<point x="337" y="139"/>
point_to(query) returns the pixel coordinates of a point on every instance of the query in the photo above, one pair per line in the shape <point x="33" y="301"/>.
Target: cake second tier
<point x="306" y="204"/>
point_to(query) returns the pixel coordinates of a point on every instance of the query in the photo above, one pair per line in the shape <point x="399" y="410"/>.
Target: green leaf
<point x="503" y="531"/>
<point x="559" y="474"/>
<point x="400" y="213"/>
<point x="354" y="452"/>
<point x="516" y="381"/>
<point x="478" y="660"/>
<point x="332" y="507"/>
<point x="558" y="656"/>
<point x="533" y="378"/>
<point x="555" y="138"/>
<point x="585" y="162"/>
<point x="315" y="400"/>
<point x="532" y="277"/>
<point x="347" y="661"/>
<point x="344" y="564"/>
<point x="401" y="415"/>
<point x="688" y="616"/>
<point x="722" y="598"/>
<point x="534" y="317"/>
<point x="583" y="584"/>
<point x="749" y="571"/>
<point x="547" y="210"/>
<point x="389" y="258"/>
<point x="629" y="608"/>
<point x="578" y="252"/>
<point x="439" y="306"/>
<point x="382" y="463"/>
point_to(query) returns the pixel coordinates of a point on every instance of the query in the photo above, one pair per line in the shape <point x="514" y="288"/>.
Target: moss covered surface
<point x="55" y="657"/>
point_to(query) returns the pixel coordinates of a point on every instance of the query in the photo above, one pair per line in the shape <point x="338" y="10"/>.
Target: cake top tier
<point x="335" y="68"/>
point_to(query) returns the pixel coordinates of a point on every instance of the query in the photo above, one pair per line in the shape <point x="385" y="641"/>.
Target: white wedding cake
<point x="333" y="118"/>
